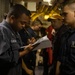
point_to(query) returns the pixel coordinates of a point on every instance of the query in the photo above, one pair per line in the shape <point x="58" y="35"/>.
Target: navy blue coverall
<point x="67" y="53"/>
<point x="10" y="43"/>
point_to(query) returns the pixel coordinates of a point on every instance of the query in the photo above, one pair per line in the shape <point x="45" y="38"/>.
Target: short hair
<point x="18" y="10"/>
<point x="34" y="23"/>
<point x="68" y="2"/>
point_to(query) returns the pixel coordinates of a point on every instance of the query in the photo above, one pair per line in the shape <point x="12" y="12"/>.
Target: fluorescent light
<point x="47" y="0"/>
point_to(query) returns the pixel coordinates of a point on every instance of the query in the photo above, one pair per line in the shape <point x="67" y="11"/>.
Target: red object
<point x="50" y="56"/>
<point x="49" y="50"/>
<point x="49" y="30"/>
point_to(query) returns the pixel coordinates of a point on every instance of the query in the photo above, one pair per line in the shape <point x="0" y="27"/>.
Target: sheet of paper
<point x="41" y="43"/>
<point x="41" y="39"/>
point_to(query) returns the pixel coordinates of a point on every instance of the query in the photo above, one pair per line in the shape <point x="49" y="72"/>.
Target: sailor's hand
<point x="28" y="47"/>
<point x="29" y="72"/>
<point x="31" y="40"/>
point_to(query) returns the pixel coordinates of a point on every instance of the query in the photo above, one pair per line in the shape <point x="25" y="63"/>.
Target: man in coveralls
<point x="66" y="59"/>
<point x="10" y="42"/>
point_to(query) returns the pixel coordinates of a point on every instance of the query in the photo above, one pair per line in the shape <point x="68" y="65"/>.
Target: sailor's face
<point x="21" y="22"/>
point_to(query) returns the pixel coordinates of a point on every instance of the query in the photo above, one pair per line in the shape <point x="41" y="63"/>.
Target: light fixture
<point x="48" y="2"/>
